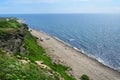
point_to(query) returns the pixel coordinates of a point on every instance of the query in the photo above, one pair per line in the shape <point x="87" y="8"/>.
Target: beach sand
<point x="78" y="62"/>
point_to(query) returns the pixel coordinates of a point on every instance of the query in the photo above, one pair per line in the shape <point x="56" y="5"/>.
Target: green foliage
<point x="12" y="69"/>
<point x="84" y="77"/>
<point x="7" y="26"/>
<point x="38" y="53"/>
<point x="1" y="32"/>
<point x="11" y="23"/>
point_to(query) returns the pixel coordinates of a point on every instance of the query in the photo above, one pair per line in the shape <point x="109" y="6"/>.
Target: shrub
<point x="84" y="77"/>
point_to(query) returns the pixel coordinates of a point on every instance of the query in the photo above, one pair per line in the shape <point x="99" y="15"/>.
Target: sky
<point x="59" y="6"/>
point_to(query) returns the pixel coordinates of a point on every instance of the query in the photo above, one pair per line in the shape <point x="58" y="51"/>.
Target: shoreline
<point x="80" y="51"/>
<point x="76" y="49"/>
<point x="75" y="59"/>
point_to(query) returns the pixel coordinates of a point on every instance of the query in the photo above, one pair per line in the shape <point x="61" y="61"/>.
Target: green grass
<point x="12" y="23"/>
<point x="38" y="53"/>
<point x="9" y="26"/>
<point x="12" y="69"/>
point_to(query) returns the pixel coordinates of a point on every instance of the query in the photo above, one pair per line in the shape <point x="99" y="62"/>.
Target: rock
<point x="24" y="61"/>
<point x="13" y="41"/>
<point x="19" y="57"/>
<point x="40" y="64"/>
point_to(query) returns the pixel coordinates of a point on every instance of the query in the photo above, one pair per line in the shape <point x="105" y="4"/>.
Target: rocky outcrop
<point x="12" y="42"/>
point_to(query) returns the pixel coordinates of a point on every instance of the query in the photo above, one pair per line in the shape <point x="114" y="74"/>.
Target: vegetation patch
<point x="84" y="77"/>
<point x="9" y="23"/>
<point x="12" y="69"/>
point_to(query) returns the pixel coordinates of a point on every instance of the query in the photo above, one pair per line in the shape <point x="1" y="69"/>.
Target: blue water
<point x="97" y="35"/>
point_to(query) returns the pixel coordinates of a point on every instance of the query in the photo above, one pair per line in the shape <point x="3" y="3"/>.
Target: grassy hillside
<point x="22" y="65"/>
<point x="9" y="23"/>
<point x="12" y="69"/>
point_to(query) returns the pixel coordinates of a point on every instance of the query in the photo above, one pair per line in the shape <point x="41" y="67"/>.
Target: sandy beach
<point x="78" y="62"/>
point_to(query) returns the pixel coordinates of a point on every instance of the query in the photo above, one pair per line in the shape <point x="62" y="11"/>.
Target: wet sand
<point x="77" y="61"/>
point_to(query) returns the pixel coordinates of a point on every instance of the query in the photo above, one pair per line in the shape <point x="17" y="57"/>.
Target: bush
<point x="84" y="77"/>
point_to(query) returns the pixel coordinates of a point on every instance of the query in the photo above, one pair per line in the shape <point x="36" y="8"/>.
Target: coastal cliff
<point x="12" y="42"/>
<point x="21" y="58"/>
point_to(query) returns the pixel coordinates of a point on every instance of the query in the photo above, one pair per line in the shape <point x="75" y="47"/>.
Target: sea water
<point x="96" y="35"/>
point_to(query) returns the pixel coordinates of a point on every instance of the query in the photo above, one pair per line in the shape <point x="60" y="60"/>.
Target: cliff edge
<point x="21" y="58"/>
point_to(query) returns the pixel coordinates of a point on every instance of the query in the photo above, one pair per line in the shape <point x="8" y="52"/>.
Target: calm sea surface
<point x="97" y="35"/>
